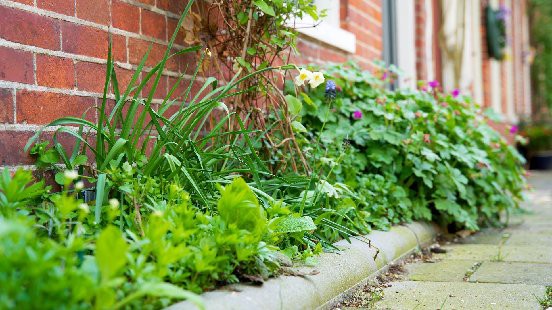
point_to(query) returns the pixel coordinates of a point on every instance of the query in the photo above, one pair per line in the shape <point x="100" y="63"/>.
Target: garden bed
<point x="322" y="285"/>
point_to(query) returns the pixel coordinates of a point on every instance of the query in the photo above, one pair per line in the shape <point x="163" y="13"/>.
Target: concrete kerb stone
<point x="336" y="273"/>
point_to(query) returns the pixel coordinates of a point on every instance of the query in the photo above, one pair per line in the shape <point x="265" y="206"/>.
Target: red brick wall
<point x="52" y="58"/>
<point x="361" y="17"/>
<point x="53" y="55"/>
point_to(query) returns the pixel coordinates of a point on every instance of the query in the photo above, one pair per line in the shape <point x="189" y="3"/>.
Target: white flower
<point x="113" y="203"/>
<point x="79" y="185"/>
<point x="304" y="76"/>
<point x="84" y="207"/>
<point x="157" y="213"/>
<point x="70" y="175"/>
<point x="316" y="79"/>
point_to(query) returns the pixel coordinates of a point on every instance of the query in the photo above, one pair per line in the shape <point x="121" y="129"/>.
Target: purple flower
<point x="331" y="89"/>
<point x="455" y="93"/>
<point x="357" y="114"/>
<point x="514" y="129"/>
<point x="434" y="84"/>
<point x="384" y="76"/>
<point x="503" y="12"/>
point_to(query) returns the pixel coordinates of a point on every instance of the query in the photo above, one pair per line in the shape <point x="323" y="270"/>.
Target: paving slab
<point x="534" y="238"/>
<point x="486" y="236"/>
<point x="509" y="272"/>
<point x="507" y="253"/>
<point x="443" y="271"/>
<point x="460" y="295"/>
<point x="474" y="252"/>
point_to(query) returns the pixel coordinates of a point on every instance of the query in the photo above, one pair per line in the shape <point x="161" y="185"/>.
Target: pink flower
<point x="455" y="93"/>
<point x="427" y="138"/>
<point x="514" y="129"/>
<point x="434" y="84"/>
<point x="357" y="114"/>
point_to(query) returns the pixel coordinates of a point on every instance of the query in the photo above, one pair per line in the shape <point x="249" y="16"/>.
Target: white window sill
<point x="327" y="33"/>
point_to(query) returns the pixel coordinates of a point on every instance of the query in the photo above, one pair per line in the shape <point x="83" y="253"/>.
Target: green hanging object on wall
<point x="496" y="33"/>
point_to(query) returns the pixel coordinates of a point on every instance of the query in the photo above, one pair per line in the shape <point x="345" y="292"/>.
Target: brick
<point x="6" y="105"/>
<point x="171" y="27"/>
<point x="66" y="7"/>
<point x="16" y="66"/>
<point x="12" y="144"/>
<point x="137" y="48"/>
<point x="27" y="2"/>
<point x="11" y="147"/>
<point x="35" y="107"/>
<point x="90" y="76"/>
<point x="84" y="40"/>
<point x="148" y="2"/>
<point x="125" y="16"/>
<point x="28" y="28"/>
<point x="154" y="25"/>
<point x="124" y="77"/>
<point x="172" y="6"/>
<point x="160" y="91"/>
<point x="55" y="72"/>
<point x="95" y="11"/>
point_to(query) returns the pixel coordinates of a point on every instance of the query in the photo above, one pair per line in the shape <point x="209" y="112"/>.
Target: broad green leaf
<point x="297" y="126"/>
<point x="111" y="251"/>
<point x="238" y="205"/>
<point x="263" y="6"/>
<point x="294" y="105"/>
<point x="291" y="224"/>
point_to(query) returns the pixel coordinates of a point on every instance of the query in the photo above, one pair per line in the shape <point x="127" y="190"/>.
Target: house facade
<point x="52" y="52"/>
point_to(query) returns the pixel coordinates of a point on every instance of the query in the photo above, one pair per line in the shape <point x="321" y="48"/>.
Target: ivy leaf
<point x="263" y="6"/>
<point x="111" y="251"/>
<point x="294" y="105"/>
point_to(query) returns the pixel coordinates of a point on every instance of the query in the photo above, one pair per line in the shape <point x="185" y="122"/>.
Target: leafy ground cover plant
<point x="409" y="154"/>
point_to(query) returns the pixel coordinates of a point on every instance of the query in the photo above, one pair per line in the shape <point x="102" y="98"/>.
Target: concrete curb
<point x="338" y="273"/>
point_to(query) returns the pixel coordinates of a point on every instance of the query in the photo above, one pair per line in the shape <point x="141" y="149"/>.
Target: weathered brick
<point x="84" y="40"/>
<point x="176" y="7"/>
<point x="96" y="11"/>
<point x="149" y="2"/>
<point x="137" y="49"/>
<point x="54" y="71"/>
<point x="160" y="91"/>
<point x="16" y="66"/>
<point x="28" y="2"/>
<point x="28" y="28"/>
<point x="6" y="105"/>
<point x="125" y="16"/>
<point x="90" y="76"/>
<point x="66" y="7"/>
<point x="34" y="107"/>
<point x="11" y="147"/>
<point x="154" y="25"/>
<point x="171" y="27"/>
<point x="12" y="144"/>
<point x="124" y="77"/>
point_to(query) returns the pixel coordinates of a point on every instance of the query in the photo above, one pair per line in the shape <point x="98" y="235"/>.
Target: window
<point x="399" y="39"/>
<point x="328" y="30"/>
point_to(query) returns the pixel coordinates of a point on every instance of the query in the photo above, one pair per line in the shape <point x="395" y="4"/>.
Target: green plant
<point x="416" y="154"/>
<point x="546" y="301"/>
<point x="17" y="192"/>
<point x="539" y="136"/>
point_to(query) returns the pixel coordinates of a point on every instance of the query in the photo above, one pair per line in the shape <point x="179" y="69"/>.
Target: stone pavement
<point x="494" y="269"/>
